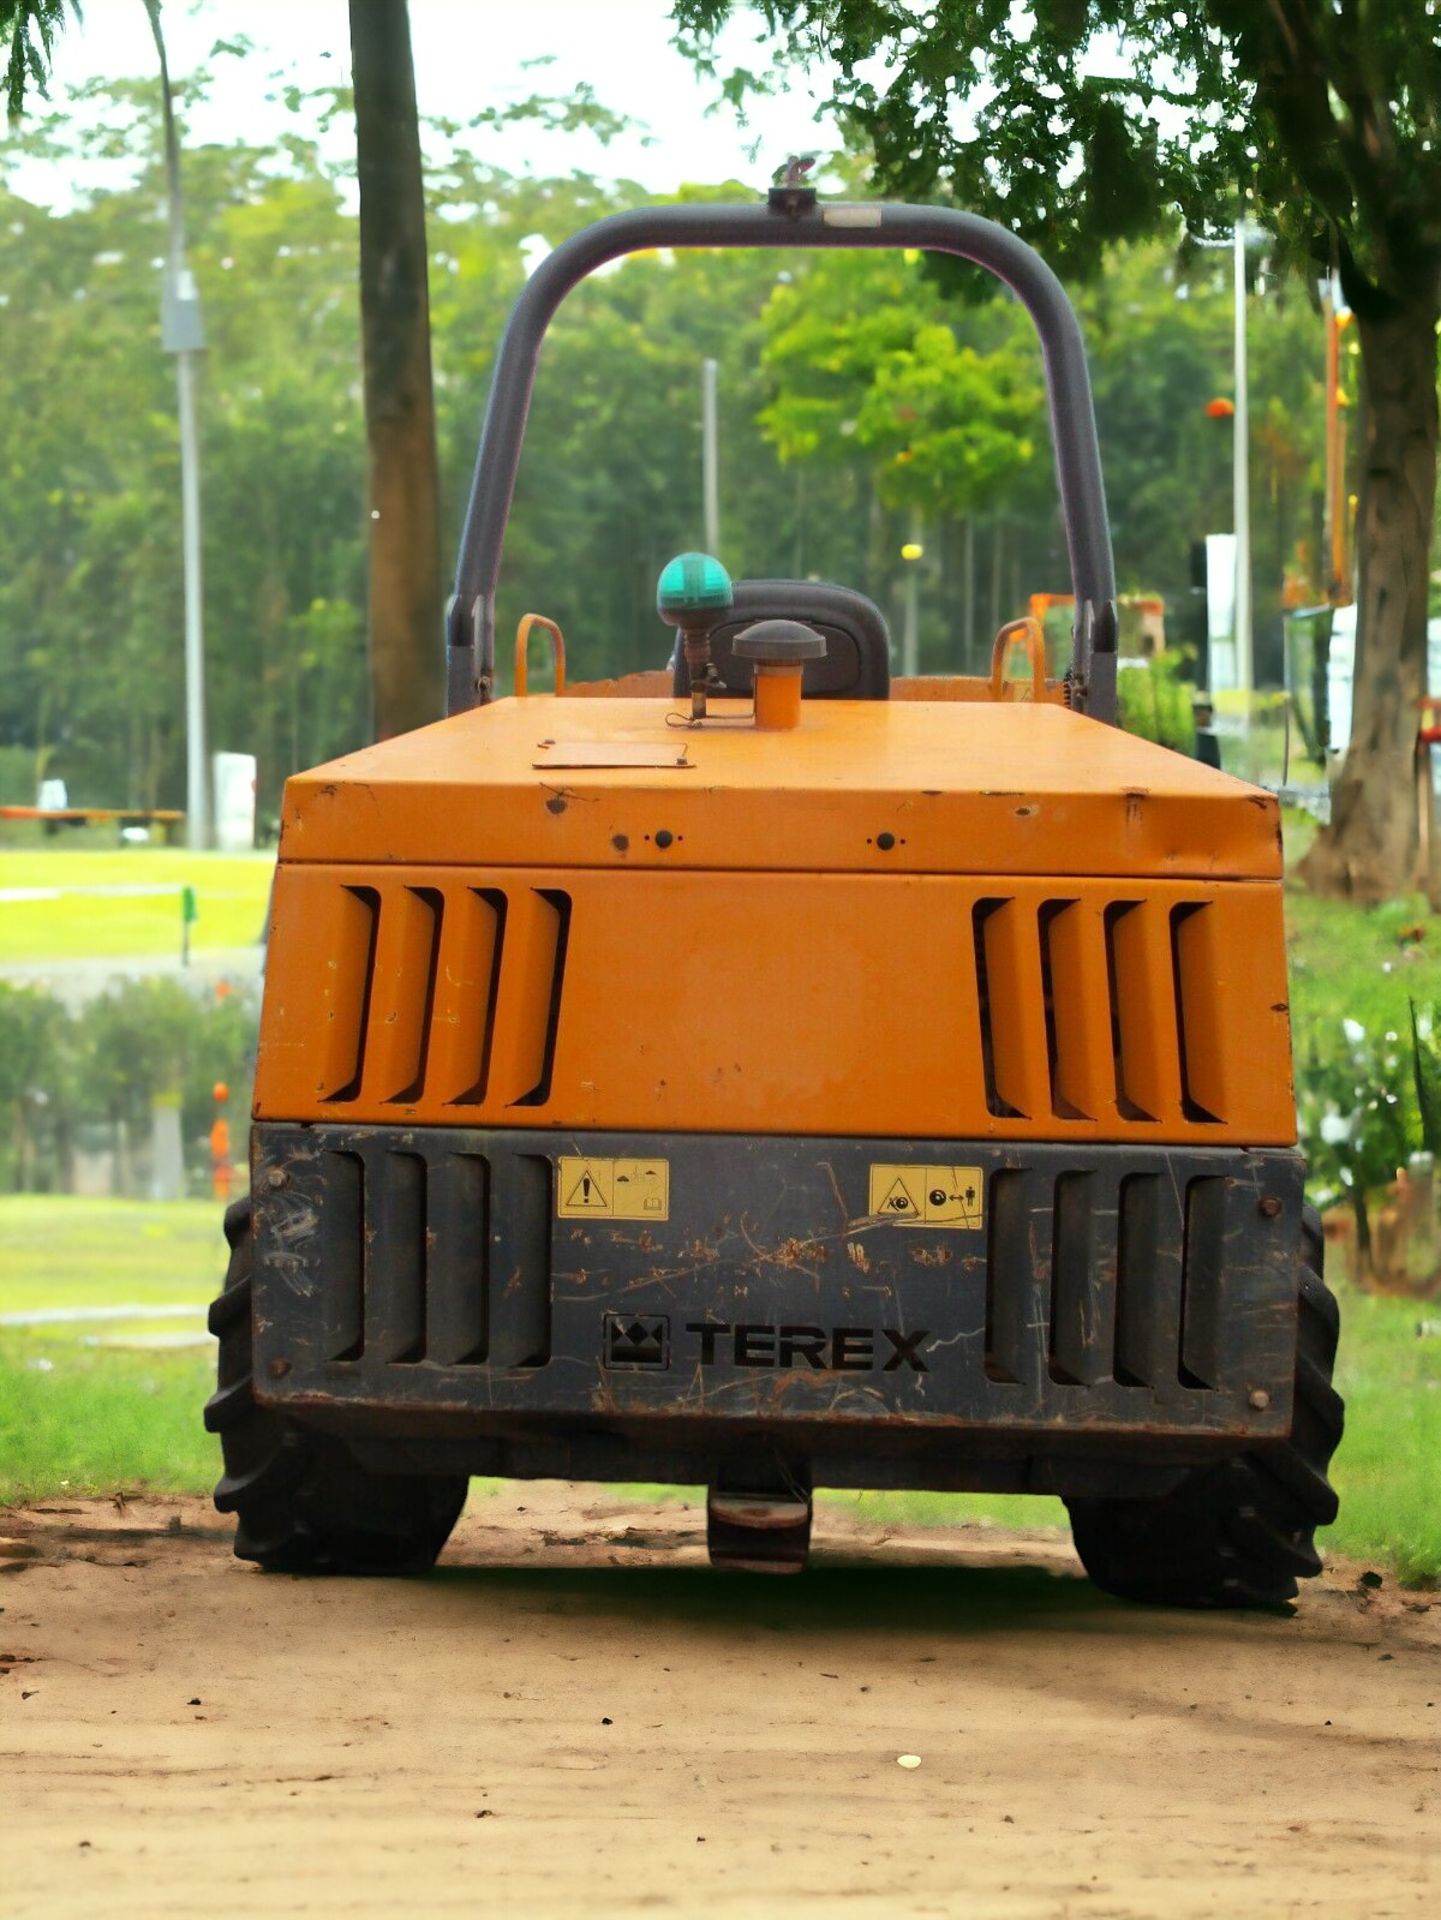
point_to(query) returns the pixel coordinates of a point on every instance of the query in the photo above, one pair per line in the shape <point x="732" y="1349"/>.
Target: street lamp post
<point x="911" y="553"/>
<point x="1241" y="474"/>
<point x="182" y="333"/>
<point x="710" y="456"/>
<point x="1337" y="566"/>
<point x="1237" y="412"/>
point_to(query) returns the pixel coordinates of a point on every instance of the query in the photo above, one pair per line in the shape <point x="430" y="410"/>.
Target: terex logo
<point x="834" y="1349"/>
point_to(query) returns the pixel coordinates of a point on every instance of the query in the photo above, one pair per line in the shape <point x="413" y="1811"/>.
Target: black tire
<point x="1240" y="1534"/>
<point x="301" y="1503"/>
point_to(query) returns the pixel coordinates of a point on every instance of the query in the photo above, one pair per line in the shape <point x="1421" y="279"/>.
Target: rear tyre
<point x="1240" y="1534"/>
<point x="301" y="1503"/>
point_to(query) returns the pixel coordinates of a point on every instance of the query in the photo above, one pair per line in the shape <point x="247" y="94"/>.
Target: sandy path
<point x="574" y="1717"/>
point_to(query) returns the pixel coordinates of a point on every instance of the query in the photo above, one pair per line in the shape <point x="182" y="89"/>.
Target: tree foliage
<point x="1080" y="123"/>
<point x="865" y="356"/>
<point x="27" y="30"/>
<point x="1083" y="122"/>
<point x="90" y="581"/>
<point x="90" y="576"/>
<point x="69" y="1079"/>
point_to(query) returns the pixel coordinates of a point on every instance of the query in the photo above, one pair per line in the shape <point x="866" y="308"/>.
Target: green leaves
<point x="1122" y="169"/>
<point x="855" y="394"/>
<point x="1065" y="21"/>
<point x="1356" y="1127"/>
<point x="1154" y="698"/>
<point x="29" y="26"/>
<point x="1086" y="121"/>
<point x="952" y="426"/>
<point x="867" y="365"/>
<point x="63" y="1072"/>
<point x="1426" y="1073"/>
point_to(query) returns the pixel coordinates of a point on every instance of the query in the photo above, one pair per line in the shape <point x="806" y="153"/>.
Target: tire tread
<point x="1242" y="1533"/>
<point x="301" y="1502"/>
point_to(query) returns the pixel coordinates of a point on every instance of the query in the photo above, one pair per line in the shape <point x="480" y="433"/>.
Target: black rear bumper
<point x="934" y="1314"/>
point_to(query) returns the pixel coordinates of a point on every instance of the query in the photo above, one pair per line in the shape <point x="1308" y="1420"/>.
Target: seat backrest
<point x="857" y="663"/>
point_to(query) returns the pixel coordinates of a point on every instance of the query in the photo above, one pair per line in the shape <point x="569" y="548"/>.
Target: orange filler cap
<point x="779" y="650"/>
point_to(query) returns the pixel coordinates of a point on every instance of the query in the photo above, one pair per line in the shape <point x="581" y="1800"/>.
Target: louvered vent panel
<point x="532" y="980"/>
<point x="345" y="937"/>
<point x="467" y="990"/>
<point x="397" y="1037"/>
<point x="1012" y="999"/>
<point x="1091" y="1280"/>
<point x="407" y="1254"/>
<point x="435" y="997"/>
<point x="449" y="993"/>
<point x="1207" y="1049"/>
<point x="1094" y="1009"/>
<point x="1078" y="1009"/>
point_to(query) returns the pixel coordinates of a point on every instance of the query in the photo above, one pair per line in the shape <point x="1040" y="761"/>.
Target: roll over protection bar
<point x="791" y="217"/>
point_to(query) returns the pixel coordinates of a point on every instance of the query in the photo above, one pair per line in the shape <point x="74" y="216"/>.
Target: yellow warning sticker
<point x="597" y="1189"/>
<point x="927" y="1196"/>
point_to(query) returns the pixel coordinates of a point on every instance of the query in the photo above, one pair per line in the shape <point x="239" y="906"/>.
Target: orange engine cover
<point x="769" y="1003"/>
<point x="914" y="918"/>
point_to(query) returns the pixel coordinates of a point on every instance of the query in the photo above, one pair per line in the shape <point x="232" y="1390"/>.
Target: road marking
<point x="12" y="896"/>
<point x="70" y="1316"/>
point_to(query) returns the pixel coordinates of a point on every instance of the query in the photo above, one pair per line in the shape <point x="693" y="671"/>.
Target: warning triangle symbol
<point x="587" y="1193"/>
<point x="899" y="1202"/>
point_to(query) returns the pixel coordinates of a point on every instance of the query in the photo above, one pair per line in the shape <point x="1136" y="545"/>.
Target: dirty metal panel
<point x="1085" y="1290"/>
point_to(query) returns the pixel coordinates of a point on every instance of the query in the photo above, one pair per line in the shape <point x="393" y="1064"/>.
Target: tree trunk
<point x="1369" y="851"/>
<point x="20" y="1137"/>
<point x="1362" y="1213"/>
<point x="406" y="656"/>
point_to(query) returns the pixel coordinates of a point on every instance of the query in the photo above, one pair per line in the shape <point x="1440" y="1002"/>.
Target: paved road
<point x="76" y="981"/>
<point x="573" y="1717"/>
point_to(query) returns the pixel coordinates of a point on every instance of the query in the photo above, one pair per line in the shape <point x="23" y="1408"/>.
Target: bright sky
<point x="469" y="54"/>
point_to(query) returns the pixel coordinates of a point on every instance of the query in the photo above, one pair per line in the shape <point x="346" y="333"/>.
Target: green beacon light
<point x="694" y="593"/>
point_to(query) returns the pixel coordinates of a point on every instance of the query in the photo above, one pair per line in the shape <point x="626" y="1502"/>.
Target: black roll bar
<point x="791" y="218"/>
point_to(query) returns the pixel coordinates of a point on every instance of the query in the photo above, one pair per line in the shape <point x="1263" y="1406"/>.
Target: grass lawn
<point x="94" y="1417"/>
<point x="231" y="893"/>
<point x="1350" y="961"/>
<point x="1385" y="1470"/>
<point x="71" y="1253"/>
<point x="101" y="1420"/>
<point x="83" y="1418"/>
<point x="90" y="1418"/>
<point x="1361" y="964"/>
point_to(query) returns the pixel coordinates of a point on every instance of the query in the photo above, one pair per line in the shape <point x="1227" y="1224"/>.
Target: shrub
<point x="1153" y="697"/>
<point x="35" y="1085"/>
<point x="62" y="1074"/>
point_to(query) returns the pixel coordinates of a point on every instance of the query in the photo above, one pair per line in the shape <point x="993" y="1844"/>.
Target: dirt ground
<point x="573" y="1716"/>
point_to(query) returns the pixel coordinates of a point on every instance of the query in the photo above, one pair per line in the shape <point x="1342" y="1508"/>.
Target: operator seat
<point x="857" y="660"/>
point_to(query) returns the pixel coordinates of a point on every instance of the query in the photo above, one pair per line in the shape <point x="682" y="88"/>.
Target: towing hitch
<point x="758" y="1525"/>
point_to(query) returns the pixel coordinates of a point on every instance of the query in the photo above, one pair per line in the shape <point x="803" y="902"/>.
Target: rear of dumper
<point x="765" y="1075"/>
